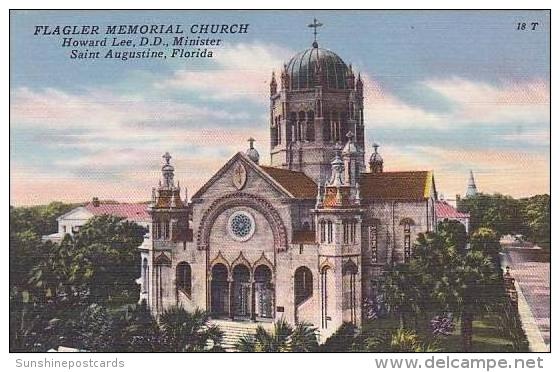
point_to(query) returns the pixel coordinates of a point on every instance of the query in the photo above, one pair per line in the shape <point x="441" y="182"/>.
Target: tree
<point x="399" y="341"/>
<point x="498" y="212"/>
<point x="536" y="215"/>
<point x="284" y="338"/>
<point x="400" y="292"/>
<point x="140" y="331"/>
<point x="185" y="331"/>
<point x="476" y="287"/>
<point x="342" y="340"/>
<point x="465" y="283"/>
<point x="486" y="241"/>
<point x="453" y="233"/>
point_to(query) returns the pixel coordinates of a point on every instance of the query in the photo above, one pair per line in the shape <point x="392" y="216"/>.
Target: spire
<point x="284" y="78"/>
<point x="337" y="168"/>
<point x="251" y="152"/>
<point x="359" y="86"/>
<point x="319" y="201"/>
<point x="273" y="85"/>
<point x="471" y="186"/>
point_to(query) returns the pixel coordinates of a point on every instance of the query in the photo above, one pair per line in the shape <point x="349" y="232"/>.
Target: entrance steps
<point x="234" y="330"/>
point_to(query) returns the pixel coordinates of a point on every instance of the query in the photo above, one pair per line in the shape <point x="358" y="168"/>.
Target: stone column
<point x="252" y="305"/>
<point x="230" y="299"/>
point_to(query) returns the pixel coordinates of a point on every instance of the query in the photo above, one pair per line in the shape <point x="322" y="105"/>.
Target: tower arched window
<point x="329" y="232"/>
<point x="310" y="133"/>
<point x="349" y="231"/>
<point x="323" y="230"/>
<point x="183" y="278"/>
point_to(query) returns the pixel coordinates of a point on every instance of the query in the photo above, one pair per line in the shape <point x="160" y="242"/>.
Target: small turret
<point x="251" y="152"/>
<point x="351" y="155"/>
<point x="337" y="166"/>
<point x="350" y="80"/>
<point x="359" y="86"/>
<point x="375" y="161"/>
<point x="284" y="78"/>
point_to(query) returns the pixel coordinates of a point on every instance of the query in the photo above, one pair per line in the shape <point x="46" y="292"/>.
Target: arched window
<point x="310" y="134"/>
<point x="183" y="278"/>
<point x="349" y="231"/>
<point x="406" y="223"/>
<point x="324" y="297"/>
<point x="303" y="284"/>
<point x="329" y="232"/>
<point x="145" y="275"/>
<point x="323" y="230"/>
<point x="349" y="272"/>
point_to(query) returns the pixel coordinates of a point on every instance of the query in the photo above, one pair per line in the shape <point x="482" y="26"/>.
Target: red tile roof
<point x="133" y="212"/>
<point x="414" y="185"/>
<point x="444" y="210"/>
<point x="296" y="183"/>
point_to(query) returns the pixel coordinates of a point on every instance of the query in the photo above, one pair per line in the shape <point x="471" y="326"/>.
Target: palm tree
<point x="476" y="288"/>
<point x="400" y="292"/>
<point x="284" y="338"/>
<point x="399" y="341"/>
<point x="185" y="331"/>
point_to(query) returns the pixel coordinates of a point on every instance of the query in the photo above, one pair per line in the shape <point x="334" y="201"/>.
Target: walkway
<point x="531" y="269"/>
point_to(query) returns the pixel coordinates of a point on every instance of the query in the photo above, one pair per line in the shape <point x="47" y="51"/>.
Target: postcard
<point x="280" y="181"/>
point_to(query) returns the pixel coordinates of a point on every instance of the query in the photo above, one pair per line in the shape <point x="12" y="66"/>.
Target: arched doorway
<point x="264" y="291"/>
<point x="219" y="290"/>
<point x="241" y="291"/>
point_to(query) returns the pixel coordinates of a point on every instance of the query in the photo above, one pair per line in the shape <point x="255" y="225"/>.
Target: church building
<point x="305" y="238"/>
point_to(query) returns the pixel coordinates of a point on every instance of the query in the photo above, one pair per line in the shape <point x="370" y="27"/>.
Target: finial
<point x="357" y="195"/>
<point x="251" y="140"/>
<point x="167" y="157"/>
<point x="375" y="147"/>
<point x="315" y="25"/>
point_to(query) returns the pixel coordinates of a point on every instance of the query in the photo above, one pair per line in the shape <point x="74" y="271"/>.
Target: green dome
<point x="302" y="69"/>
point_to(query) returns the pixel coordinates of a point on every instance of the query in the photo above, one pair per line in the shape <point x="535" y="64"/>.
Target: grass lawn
<point x="486" y="335"/>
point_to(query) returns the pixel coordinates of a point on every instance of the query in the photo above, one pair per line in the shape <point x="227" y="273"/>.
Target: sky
<point x="447" y="91"/>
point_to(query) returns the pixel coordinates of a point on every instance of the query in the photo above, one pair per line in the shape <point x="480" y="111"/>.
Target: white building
<point x="70" y="222"/>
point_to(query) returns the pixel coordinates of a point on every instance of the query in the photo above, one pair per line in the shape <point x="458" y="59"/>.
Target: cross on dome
<point x="315" y="25"/>
<point x="167" y="157"/>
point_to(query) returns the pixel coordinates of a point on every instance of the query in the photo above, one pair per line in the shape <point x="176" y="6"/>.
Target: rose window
<point x="241" y="226"/>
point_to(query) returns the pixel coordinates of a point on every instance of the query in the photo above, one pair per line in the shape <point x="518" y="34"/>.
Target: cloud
<point x="505" y="171"/>
<point x="108" y="142"/>
<point x="473" y="103"/>
<point x="241" y="72"/>
<point x="481" y="102"/>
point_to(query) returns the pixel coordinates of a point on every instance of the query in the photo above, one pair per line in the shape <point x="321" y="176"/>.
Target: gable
<point x="80" y="213"/>
<point x="257" y="181"/>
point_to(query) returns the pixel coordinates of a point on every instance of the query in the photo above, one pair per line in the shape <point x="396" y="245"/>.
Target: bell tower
<point x="317" y="102"/>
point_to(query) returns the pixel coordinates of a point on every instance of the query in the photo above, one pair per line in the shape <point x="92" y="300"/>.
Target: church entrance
<point x="241" y="291"/>
<point x="264" y="291"/>
<point x="219" y="291"/>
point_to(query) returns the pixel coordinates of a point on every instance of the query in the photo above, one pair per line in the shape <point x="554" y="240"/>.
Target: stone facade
<point x="306" y="242"/>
